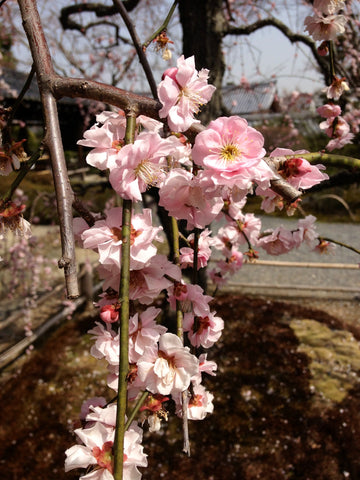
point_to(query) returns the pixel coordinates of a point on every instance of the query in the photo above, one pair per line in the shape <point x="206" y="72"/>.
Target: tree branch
<point x="292" y="36"/>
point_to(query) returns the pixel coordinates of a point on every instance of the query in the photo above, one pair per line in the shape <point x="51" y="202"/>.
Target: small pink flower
<point x="140" y="165"/>
<point x="337" y="88"/>
<point x="325" y="28"/>
<point x="228" y="146"/>
<point x="203" y="331"/>
<point x="298" y="171"/>
<point x="204" y="250"/>
<point x="168" y="368"/>
<point x="200" y="403"/>
<point x="278" y="242"/>
<point x="306" y="232"/>
<point x="329" y="110"/>
<point x="143" y="332"/>
<point x="184" y="197"/>
<point x="182" y="92"/>
<point x="328" y="7"/>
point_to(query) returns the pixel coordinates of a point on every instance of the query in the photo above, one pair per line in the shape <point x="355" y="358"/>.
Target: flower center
<point x="200" y="324"/>
<point x="117" y="234"/>
<point x="104" y="456"/>
<point x="149" y="173"/>
<point x="230" y="153"/>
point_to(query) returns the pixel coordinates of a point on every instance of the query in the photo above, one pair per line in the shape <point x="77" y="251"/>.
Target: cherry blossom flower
<point x="106" y="238"/>
<point x="146" y="283"/>
<point x="328" y="7"/>
<point x="204" y="250"/>
<point x="203" y="331"/>
<point x="227" y="148"/>
<point x="329" y="110"/>
<point x="140" y="165"/>
<point x="143" y="332"/>
<point x="277" y="242"/>
<point x="97" y="450"/>
<point x="325" y="27"/>
<point x="184" y="198"/>
<point x="106" y="137"/>
<point x="337" y="87"/>
<point x="11" y="219"/>
<point x="106" y="343"/>
<point x="297" y="171"/>
<point x="191" y="297"/>
<point x="168" y="368"/>
<point x="200" y="403"/>
<point x="182" y="92"/>
<point x="306" y="232"/>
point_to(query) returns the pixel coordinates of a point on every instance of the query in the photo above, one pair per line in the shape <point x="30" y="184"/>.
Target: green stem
<point x="196" y="256"/>
<point x="25" y="168"/>
<point x="163" y="25"/>
<point x="328" y="158"/>
<point x="124" y="321"/>
<point x="332" y="59"/>
<point x="137" y="407"/>
<point x="341" y="244"/>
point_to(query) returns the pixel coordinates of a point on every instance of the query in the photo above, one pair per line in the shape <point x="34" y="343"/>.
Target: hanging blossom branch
<point x="124" y="318"/>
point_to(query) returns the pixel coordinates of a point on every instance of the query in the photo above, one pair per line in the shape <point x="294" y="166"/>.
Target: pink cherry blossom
<point x="143" y="332"/>
<point x="297" y="171"/>
<point x="169" y="367"/>
<point x="277" y="242"/>
<point x="192" y="299"/>
<point x="200" y="403"/>
<point x="203" y="331"/>
<point x="228" y="147"/>
<point x="306" y="232"/>
<point x="98" y="451"/>
<point x="328" y="7"/>
<point x="105" y="139"/>
<point x="182" y="92"/>
<point x="146" y="283"/>
<point x="337" y="87"/>
<point x="184" y="198"/>
<point x="329" y="110"/>
<point x="325" y="27"/>
<point x="140" y="165"/>
<point x="106" y="238"/>
<point x="106" y="343"/>
<point x="204" y="250"/>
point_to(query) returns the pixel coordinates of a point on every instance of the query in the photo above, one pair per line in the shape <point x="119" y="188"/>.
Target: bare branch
<point x="292" y="36"/>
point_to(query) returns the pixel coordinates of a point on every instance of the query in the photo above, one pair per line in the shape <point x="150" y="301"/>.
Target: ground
<point x="287" y="399"/>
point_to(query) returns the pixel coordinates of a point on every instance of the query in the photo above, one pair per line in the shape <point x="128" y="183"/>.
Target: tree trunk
<point x="203" y="25"/>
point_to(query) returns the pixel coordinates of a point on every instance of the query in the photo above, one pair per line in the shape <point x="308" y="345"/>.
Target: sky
<point x="265" y="55"/>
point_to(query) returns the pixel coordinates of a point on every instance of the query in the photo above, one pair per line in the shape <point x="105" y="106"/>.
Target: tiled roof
<point x="254" y="98"/>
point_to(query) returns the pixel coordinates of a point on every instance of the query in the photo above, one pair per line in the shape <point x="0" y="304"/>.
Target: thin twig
<point x="163" y="26"/>
<point x="137" y="44"/>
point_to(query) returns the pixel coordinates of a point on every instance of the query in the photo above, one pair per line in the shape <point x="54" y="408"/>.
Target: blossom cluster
<point x="207" y="182"/>
<point x="325" y="25"/>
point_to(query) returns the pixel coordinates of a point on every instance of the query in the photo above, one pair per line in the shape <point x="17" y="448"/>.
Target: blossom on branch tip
<point x="182" y="92"/>
<point x="325" y="27"/>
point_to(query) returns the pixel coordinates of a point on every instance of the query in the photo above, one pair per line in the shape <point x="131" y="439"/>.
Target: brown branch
<point x="64" y="195"/>
<point x="293" y="37"/>
<point x="137" y="44"/>
<point x="99" y="9"/>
